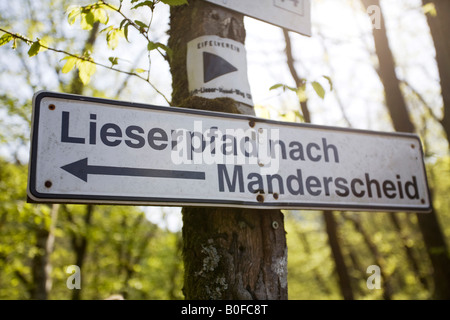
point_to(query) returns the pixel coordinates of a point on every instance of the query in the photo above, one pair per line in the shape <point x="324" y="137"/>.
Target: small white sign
<point x="294" y="15"/>
<point x="91" y="150"/>
<point x="217" y="68"/>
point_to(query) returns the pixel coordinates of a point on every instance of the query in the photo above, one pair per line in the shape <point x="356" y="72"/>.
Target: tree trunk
<point x="438" y="253"/>
<point x="409" y="251"/>
<point x="439" y="27"/>
<point x="236" y="254"/>
<point x="428" y="223"/>
<point x="41" y="267"/>
<point x="386" y="69"/>
<point x="341" y="269"/>
<point x="298" y="80"/>
<point x="387" y="288"/>
<point x="227" y="253"/>
<point x="79" y="243"/>
<point x="39" y="263"/>
<point x="319" y="279"/>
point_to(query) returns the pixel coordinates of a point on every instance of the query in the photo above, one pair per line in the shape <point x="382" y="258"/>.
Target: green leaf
<point x="152" y="46"/>
<point x="319" y="89"/>
<point x="74" y="13"/>
<point x="430" y="8"/>
<point x="100" y="16"/>
<point x="125" y="31"/>
<point x="34" y="49"/>
<point x="113" y="60"/>
<point x="122" y="23"/>
<point x="44" y="45"/>
<point x="86" y="70"/>
<point x="107" y="29"/>
<point x="149" y="4"/>
<point x="139" y="70"/>
<point x="175" y="2"/>
<point x="330" y="82"/>
<point x="87" y="20"/>
<point x="5" y="39"/>
<point x="69" y="65"/>
<point x="141" y="24"/>
<point x="155" y="45"/>
<point x="299" y="115"/>
<point x="276" y="86"/>
<point x="285" y="87"/>
<point x="112" y="38"/>
<point x="301" y="93"/>
<point x="167" y="49"/>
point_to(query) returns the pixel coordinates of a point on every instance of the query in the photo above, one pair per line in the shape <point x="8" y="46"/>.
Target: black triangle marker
<point x="215" y="66"/>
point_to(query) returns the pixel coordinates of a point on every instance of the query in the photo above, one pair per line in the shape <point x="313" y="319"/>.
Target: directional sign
<point x="294" y="15"/>
<point x="91" y="150"/>
<point x="217" y="67"/>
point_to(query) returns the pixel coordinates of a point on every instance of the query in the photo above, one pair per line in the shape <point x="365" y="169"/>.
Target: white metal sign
<point x="90" y="150"/>
<point x="217" y="67"/>
<point x="294" y="15"/>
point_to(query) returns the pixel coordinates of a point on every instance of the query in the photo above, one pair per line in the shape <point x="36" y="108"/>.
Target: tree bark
<point x="435" y="243"/>
<point x="236" y="254"/>
<point x="227" y="253"/>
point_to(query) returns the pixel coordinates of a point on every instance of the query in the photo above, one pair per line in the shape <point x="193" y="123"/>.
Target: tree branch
<point x="84" y="58"/>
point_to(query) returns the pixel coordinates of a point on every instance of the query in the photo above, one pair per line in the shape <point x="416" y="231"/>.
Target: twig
<point x="83" y="58"/>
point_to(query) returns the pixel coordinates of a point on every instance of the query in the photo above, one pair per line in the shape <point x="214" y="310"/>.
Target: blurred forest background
<point x="370" y="74"/>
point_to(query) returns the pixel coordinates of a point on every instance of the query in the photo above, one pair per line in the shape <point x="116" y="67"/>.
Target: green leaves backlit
<point x="86" y="68"/>
<point x="4" y="39"/>
<point x="88" y="15"/>
<point x="301" y="90"/>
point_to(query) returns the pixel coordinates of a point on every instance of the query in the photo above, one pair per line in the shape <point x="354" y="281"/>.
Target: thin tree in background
<point x="330" y="221"/>
<point x="438" y="17"/>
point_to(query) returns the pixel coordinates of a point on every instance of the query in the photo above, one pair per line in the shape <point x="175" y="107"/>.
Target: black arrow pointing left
<point x="81" y="169"/>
